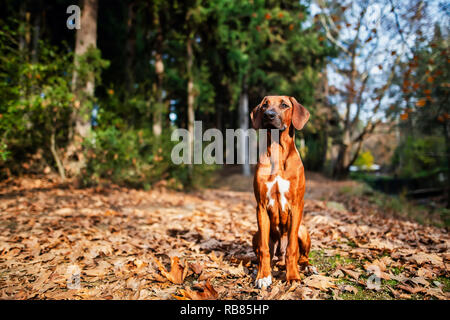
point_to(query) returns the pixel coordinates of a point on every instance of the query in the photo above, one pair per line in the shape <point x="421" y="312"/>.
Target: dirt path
<point x="59" y="242"/>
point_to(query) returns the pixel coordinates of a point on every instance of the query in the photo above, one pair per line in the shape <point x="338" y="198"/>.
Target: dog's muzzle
<point x="272" y="120"/>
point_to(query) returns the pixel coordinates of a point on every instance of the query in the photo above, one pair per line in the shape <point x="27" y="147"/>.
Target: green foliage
<point x="397" y="205"/>
<point x="315" y="148"/>
<point x="133" y="157"/>
<point x="254" y="45"/>
<point x="4" y="153"/>
<point x="424" y="112"/>
<point x="89" y="66"/>
<point x="268" y="49"/>
<point x="35" y="98"/>
<point x="418" y="157"/>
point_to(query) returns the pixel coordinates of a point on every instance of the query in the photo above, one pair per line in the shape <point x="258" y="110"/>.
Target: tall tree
<point x="158" y="106"/>
<point x="83" y="87"/>
<point x="130" y="46"/>
<point x="268" y="50"/>
<point x="363" y="73"/>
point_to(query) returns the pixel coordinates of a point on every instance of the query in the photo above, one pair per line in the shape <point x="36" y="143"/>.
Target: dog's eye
<point x="264" y="105"/>
<point x="284" y="105"/>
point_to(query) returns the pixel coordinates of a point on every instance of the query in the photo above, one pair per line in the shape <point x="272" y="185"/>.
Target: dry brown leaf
<point x="425" y="273"/>
<point x="139" y="264"/>
<point x="113" y="248"/>
<point x="196" y="267"/>
<point x="338" y="273"/>
<point x="204" y="292"/>
<point x="380" y="245"/>
<point x="410" y="289"/>
<point x="102" y="268"/>
<point x="319" y="282"/>
<point x="420" y="280"/>
<point x="437" y="293"/>
<point x="133" y="284"/>
<point x="354" y="274"/>
<point x="236" y="271"/>
<point x="349" y="288"/>
<point x="43" y="278"/>
<point x="217" y="259"/>
<point x="422" y="257"/>
<point x="380" y="265"/>
<point x="177" y="272"/>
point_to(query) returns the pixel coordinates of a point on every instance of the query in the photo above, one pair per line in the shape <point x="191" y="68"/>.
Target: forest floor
<point x="110" y="242"/>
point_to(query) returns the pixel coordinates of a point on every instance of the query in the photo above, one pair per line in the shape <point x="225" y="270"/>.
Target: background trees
<point x="372" y="45"/>
<point x="107" y="112"/>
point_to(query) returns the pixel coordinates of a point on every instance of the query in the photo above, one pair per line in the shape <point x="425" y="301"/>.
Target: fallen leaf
<point x="204" y="292"/>
<point x="437" y="293"/>
<point x="133" y="283"/>
<point x="419" y="280"/>
<point x="236" y="271"/>
<point x="349" y="288"/>
<point x="380" y="265"/>
<point x="338" y="273"/>
<point x="177" y="272"/>
<point x="354" y="274"/>
<point x="319" y="282"/>
<point x="196" y="267"/>
<point x="410" y="289"/>
<point x="422" y="257"/>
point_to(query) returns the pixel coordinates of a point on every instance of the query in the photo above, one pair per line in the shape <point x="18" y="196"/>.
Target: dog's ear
<point x="256" y="116"/>
<point x="300" y="115"/>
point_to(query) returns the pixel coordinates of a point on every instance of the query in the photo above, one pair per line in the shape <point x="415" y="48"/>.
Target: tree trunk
<point x="86" y="38"/>
<point x="23" y="21"/>
<point x="23" y="18"/>
<point x="340" y="169"/>
<point x="219" y="115"/>
<point x="190" y="97"/>
<point x="243" y="124"/>
<point x="36" y="35"/>
<point x="130" y="47"/>
<point x="159" y="70"/>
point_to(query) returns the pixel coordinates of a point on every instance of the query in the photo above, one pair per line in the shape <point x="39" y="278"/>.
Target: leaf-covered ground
<point x="60" y="242"/>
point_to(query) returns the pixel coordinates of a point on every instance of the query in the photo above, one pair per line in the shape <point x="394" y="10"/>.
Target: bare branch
<point x="399" y="29"/>
<point x="330" y="36"/>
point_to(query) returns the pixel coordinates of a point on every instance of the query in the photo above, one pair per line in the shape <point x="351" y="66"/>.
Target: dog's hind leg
<point x="304" y="244"/>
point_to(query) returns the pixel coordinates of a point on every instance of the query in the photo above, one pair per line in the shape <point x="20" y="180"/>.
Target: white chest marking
<point x="283" y="187"/>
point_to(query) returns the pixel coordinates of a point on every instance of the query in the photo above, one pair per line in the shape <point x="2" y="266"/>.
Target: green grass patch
<point x="399" y="206"/>
<point x="445" y="281"/>
<point x="328" y="264"/>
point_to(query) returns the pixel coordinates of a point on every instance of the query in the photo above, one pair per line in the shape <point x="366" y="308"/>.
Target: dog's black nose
<point x="270" y="114"/>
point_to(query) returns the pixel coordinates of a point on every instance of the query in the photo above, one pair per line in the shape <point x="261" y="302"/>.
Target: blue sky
<point x="387" y="40"/>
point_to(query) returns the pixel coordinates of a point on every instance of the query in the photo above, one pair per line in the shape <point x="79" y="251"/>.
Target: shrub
<point x="36" y="101"/>
<point x="419" y="157"/>
<point x="135" y="157"/>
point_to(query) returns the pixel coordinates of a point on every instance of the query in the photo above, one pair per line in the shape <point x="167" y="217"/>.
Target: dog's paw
<point x="263" y="282"/>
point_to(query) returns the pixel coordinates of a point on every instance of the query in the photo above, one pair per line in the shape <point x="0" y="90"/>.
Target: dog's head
<point x="279" y="112"/>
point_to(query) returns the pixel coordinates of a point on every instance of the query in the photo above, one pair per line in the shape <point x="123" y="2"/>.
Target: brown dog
<point x="279" y="187"/>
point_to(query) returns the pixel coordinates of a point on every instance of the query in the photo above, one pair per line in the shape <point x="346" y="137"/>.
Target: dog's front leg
<point x="263" y="277"/>
<point x="292" y="252"/>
